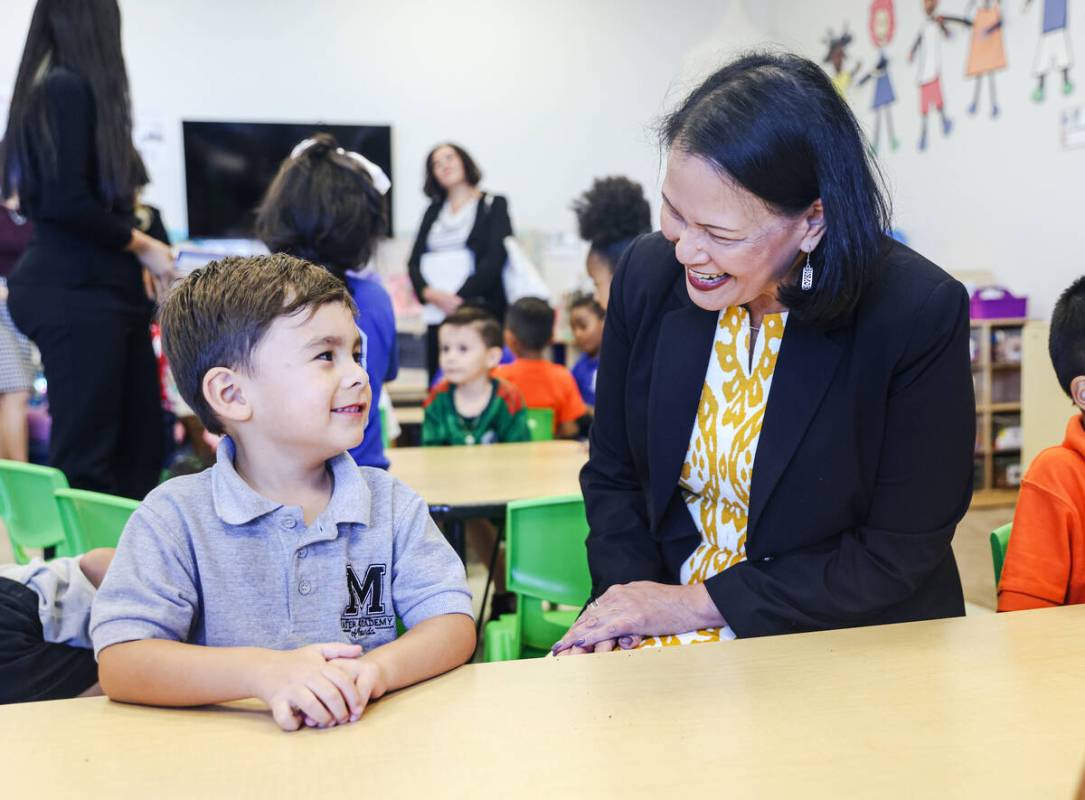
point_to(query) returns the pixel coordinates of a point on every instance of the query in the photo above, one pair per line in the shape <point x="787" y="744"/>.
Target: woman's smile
<point x="706" y="281"/>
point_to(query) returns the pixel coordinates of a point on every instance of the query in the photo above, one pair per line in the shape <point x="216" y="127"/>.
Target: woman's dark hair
<point x="611" y="214"/>
<point x="83" y="36"/>
<point x="1066" y="342"/>
<point x="323" y="207"/>
<point x="471" y="173"/>
<point x="775" y="124"/>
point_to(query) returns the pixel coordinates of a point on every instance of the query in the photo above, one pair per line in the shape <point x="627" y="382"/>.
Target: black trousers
<point x="30" y="667"/>
<point x="433" y="352"/>
<point x="104" y="395"/>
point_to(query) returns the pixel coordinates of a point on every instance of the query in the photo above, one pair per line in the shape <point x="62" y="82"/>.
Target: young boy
<point x="1045" y="560"/>
<point x="44" y="627"/>
<point x="469" y="406"/>
<point x="529" y="329"/>
<point x="586" y="322"/>
<point x="279" y="572"/>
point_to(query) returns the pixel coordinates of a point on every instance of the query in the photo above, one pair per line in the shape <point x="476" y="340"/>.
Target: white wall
<point x="546" y="95"/>
<point x="996" y="194"/>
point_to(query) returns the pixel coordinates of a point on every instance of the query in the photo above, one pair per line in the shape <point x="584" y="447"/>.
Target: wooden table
<point x="983" y="707"/>
<point x="490" y="475"/>
<point x="462" y="483"/>
<point x="410" y="415"/>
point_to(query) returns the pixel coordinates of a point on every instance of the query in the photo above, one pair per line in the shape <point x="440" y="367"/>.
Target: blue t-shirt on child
<point x="377" y="321"/>
<point x="584" y="373"/>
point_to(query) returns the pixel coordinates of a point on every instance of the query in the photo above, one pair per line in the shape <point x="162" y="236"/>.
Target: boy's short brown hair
<point x="217" y="315"/>
<point x="481" y="320"/>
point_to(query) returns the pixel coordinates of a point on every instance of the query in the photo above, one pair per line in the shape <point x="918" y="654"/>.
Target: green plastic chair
<point x="1000" y="540"/>
<point x="546" y="562"/>
<point x="92" y="519"/>
<point x="385" y="441"/>
<point x="28" y="509"/>
<point x="540" y="422"/>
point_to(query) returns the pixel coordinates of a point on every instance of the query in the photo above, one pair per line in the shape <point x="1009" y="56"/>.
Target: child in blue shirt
<point x="327" y="206"/>
<point x="586" y="322"/>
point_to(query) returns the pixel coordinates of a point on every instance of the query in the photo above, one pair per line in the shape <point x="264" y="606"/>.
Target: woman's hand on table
<point x="625" y="614"/>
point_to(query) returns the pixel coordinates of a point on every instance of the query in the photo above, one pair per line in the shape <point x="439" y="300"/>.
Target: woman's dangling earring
<point x="807" y="275"/>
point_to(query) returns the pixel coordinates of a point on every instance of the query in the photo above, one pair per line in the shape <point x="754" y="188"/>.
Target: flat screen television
<point x="229" y="166"/>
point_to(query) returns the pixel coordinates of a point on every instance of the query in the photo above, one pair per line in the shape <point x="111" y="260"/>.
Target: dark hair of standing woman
<point x="775" y="124"/>
<point x="83" y="36"/>
<point x="611" y="214"/>
<point x="323" y="207"/>
<point x="432" y="187"/>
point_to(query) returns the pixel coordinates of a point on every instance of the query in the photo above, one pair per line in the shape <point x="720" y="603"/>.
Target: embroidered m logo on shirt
<point x="366" y="611"/>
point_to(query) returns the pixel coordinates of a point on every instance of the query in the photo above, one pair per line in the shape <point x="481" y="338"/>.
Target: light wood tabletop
<point x="981" y="707"/>
<point x="410" y="415"/>
<point x="489" y="475"/>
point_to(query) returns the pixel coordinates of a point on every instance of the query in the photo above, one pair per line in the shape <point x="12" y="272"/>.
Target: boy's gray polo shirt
<point x="207" y="560"/>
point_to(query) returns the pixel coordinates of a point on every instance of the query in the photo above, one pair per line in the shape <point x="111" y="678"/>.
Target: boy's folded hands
<point x="319" y="685"/>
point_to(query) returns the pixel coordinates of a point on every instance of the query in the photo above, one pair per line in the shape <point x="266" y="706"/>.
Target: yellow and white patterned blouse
<point x="716" y="475"/>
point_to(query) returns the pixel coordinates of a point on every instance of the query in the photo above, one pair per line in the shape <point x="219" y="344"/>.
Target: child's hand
<point x="366" y="676"/>
<point x="311" y="685"/>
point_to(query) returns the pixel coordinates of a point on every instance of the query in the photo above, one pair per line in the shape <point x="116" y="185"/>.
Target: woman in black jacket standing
<point x="78" y="290"/>
<point x="461" y="241"/>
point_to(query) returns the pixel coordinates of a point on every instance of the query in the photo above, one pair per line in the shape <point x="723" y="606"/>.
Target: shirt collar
<point x="237" y="503"/>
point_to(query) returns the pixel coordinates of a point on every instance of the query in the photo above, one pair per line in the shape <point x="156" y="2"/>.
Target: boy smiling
<point x="277" y="573"/>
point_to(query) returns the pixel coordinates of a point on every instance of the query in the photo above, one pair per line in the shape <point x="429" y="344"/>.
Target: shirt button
<point x="303" y="553"/>
<point x="305" y="587"/>
<point x="290" y="523"/>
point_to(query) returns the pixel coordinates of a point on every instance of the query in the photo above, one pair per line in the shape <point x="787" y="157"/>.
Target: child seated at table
<point x="1045" y="560"/>
<point x="529" y="329"/>
<point x="44" y="627"/>
<point x="279" y="572"/>
<point x="469" y="406"/>
<point x="586" y="322"/>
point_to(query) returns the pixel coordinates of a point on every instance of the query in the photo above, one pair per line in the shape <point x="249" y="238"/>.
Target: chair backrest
<point x="28" y="509"/>
<point x="385" y="441"/>
<point x="1000" y="539"/>
<point x="92" y="519"/>
<point x="540" y="422"/>
<point x="546" y="561"/>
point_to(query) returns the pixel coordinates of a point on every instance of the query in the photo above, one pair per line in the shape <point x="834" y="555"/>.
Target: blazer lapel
<point x="807" y="361"/>
<point x="678" y="370"/>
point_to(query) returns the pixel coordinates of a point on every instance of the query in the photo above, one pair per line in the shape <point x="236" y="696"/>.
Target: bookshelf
<point x="996" y="372"/>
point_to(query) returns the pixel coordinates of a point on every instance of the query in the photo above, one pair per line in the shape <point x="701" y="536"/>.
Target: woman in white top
<point x="459" y="253"/>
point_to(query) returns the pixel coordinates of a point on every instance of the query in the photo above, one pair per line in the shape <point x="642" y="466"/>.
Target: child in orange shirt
<point x="529" y="329"/>
<point x="1045" y="560"/>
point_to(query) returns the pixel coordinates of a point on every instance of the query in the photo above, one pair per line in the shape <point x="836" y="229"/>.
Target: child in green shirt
<point x="469" y="406"/>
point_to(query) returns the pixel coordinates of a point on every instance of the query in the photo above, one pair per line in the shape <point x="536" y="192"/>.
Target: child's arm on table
<point x="298" y="685"/>
<point x="432" y="647"/>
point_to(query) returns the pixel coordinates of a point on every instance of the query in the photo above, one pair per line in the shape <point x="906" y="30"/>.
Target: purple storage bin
<point x="995" y="302"/>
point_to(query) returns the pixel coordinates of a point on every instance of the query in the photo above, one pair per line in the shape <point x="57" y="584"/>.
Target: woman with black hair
<point x="610" y="215"/>
<point x="78" y="290"/>
<point x="785" y="416"/>
<point x="459" y="253"/>
<point x="327" y="205"/>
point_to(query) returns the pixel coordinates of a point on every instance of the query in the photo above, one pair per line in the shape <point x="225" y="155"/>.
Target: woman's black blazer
<point x="862" y="472"/>
<point x="486" y="240"/>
